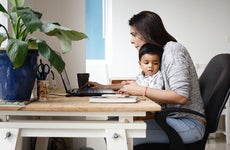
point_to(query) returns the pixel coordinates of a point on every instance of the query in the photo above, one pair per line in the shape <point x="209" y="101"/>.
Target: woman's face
<point x="136" y="39"/>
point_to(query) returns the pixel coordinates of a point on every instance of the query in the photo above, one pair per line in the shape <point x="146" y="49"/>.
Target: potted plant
<point x="23" y="21"/>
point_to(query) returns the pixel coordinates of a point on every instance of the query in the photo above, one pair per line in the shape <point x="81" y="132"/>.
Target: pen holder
<point x="43" y="90"/>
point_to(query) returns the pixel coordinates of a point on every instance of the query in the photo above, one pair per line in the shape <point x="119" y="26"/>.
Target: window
<point x="95" y="44"/>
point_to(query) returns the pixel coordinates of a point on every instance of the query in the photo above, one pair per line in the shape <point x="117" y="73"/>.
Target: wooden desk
<point x="117" y="133"/>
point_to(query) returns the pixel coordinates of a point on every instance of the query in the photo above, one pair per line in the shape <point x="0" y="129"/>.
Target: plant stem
<point x="8" y="36"/>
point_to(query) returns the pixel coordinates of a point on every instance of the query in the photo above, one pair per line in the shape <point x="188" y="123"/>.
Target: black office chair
<point x="215" y="89"/>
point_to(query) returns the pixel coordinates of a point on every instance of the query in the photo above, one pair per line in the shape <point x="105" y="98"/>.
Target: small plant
<point x="23" y="22"/>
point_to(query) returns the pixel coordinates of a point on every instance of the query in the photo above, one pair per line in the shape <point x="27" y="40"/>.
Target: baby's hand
<point x="124" y="82"/>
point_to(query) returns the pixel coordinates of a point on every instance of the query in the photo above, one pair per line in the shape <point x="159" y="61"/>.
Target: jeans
<point x="189" y="129"/>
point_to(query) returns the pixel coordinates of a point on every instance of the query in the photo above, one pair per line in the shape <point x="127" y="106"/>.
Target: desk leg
<point x="10" y="139"/>
<point x="127" y="119"/>
<point x="116" y="138"/>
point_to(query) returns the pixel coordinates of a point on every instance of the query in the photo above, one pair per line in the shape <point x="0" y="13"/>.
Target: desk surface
<point x="82" y="104"/>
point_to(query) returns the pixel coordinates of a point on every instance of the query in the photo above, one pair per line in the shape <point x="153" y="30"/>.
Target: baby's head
<point x="150" y="49"/>
<point x="150" y="59"/>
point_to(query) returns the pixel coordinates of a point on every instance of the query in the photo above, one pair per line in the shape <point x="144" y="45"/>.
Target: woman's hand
<point x="131" y="88"/>
<point x="95" y="85"/>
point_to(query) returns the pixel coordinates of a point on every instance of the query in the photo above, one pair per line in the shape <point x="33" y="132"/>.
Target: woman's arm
<point x="163" y="96"/>
<point x="116" y="86"/>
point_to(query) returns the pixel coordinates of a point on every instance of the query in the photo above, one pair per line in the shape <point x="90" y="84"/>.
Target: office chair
<point x="215" y="89"/>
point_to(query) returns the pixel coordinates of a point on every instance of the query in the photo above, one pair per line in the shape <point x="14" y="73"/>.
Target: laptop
<point x="84" y="91"/>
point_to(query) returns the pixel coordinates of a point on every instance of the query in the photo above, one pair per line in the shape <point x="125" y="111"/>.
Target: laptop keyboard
<point x="87" y="91"/>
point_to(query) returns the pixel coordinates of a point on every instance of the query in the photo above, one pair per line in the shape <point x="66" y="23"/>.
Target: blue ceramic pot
<point x="17" y="84"/>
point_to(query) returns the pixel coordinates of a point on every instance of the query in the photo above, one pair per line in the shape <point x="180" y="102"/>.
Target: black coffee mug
<point x="82" y="79"/>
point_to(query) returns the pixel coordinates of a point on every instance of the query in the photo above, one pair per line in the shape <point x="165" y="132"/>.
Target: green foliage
<point x="23" y="22"/>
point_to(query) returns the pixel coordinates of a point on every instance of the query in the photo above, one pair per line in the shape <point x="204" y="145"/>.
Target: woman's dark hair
<point x="151" y="27"/>
<point x="150" y="49"/>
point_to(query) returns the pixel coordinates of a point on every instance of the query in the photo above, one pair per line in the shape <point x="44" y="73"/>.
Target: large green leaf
<point x="67" y="36"/>
<point x="30" y="18"/>
<point x="64" y="34"/>
<point x="17" y="51"/>
<point x="54" y="59"/>
<point x="65" y="42"/>
<point x="17" y="2"/>
<point x="52" y="29"/>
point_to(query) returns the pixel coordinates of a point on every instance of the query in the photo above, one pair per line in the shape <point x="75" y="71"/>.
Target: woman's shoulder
<point x="173" y="46"/>
<point x="173" y="49"/>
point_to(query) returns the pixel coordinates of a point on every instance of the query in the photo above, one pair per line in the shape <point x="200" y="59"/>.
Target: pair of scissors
<point x="42" y="70"/>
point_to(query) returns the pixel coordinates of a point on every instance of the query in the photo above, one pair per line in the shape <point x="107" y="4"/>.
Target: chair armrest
<point x="175" y="141"/>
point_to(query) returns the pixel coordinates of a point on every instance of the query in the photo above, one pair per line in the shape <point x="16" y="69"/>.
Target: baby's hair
<point x="150" y="49"/>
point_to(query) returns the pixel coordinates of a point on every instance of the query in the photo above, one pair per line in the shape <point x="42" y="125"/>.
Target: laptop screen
<point x="65" y="80"/>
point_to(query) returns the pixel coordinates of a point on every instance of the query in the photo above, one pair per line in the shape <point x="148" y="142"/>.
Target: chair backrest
<point x="215" y="89"/>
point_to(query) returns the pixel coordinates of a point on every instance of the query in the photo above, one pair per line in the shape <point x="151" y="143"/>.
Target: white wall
<point x="3" y="20"/>
<point x="71" y="14"/>
<point x="202" y="26"/>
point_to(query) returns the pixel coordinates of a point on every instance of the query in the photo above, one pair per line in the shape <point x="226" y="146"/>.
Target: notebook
<point x="113" y="98"/>
<point x="84" y="91"/>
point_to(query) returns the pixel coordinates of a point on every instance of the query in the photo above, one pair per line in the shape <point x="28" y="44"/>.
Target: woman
<point x="181" y="87"/>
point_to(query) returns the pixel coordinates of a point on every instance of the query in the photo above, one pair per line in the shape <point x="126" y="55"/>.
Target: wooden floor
<point x="217" y="144"/>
